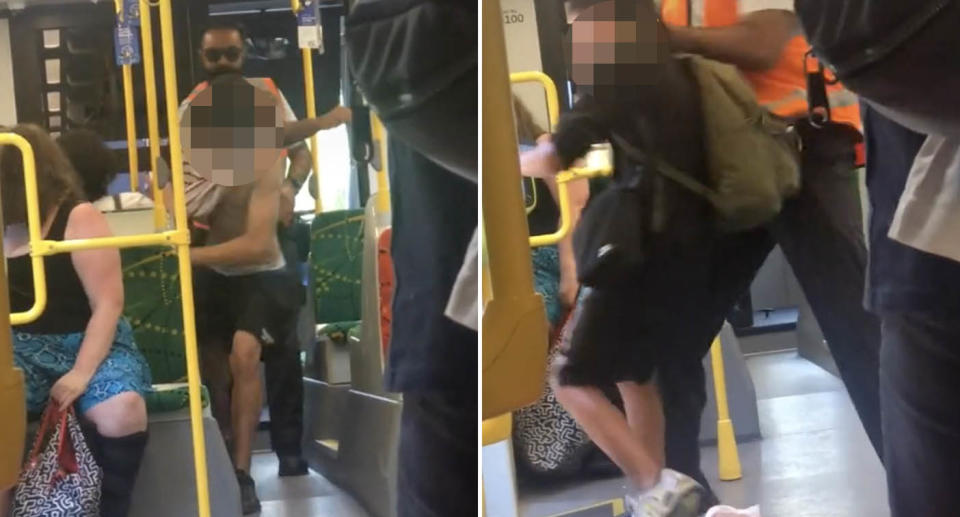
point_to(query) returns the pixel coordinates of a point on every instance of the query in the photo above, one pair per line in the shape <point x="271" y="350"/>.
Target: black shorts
<point x="676" y="308"/>
<point x="265" y="305"/>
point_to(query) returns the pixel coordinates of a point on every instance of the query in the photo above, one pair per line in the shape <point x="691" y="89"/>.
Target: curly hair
<point x="56" y="179"/>
<point x="95" y="164"/>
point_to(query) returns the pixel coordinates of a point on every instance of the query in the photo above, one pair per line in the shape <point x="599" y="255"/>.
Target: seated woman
<point x="97" y="167"/>
<point x="80" y="351"/>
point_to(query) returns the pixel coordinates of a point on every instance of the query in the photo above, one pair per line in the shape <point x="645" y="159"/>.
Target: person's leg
<point x="608" y="427"/>
<point x="644" y="411"/>
<point x="437" y="474"/>
<point x="919" y="361"/>
<point x="821" y="234"/>
<point x="245" y="400"/>
<point x="117" y="416"/>
<point x="215" y="372"/>
<point x="284" y="378"/>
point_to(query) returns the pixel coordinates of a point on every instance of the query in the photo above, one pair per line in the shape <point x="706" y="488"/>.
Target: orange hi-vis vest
<point x="783" y="88"/>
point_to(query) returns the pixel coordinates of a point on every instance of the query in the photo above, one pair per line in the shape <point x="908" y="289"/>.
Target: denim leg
<point x="919" y="362"/>
<point x="821" y="234"/>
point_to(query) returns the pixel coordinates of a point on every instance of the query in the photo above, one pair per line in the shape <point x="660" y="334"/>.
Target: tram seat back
<point x="336" y="261"/>
<point x="152" y="304"/>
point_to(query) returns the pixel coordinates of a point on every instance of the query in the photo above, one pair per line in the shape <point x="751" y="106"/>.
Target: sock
<point x="120" y="460"/>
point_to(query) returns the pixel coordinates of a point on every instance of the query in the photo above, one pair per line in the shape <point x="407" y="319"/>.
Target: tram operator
<point x="243" y="289"/>
<point x="80" y="351"/>
<point x="819" y="230"/>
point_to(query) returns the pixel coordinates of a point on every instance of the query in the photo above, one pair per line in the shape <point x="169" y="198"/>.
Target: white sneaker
<point x="675" y="495"/>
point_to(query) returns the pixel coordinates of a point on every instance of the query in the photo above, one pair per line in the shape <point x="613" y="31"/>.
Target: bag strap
<point x="665" y="169"/>
<point x="49" y="415"/>
<point x="66" y="453"/>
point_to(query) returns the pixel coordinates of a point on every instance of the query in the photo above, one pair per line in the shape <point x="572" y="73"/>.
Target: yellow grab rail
<point x="183" y="259"/>
<point x="153" y="118"/>
<point x="12" y="386"/>
<point x="378" y="136"/>
<point x="311" y="100"/>
<point x="33" y="229"/>
<point x="562" y="179"/>
<point x="728" y="459"/>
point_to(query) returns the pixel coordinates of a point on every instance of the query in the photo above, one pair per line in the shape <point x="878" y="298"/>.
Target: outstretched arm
<point x="756" y="42"/>
<point x="296" y="131"/>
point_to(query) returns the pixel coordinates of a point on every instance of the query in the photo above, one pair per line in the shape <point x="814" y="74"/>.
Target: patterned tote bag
<point x="547" y="440"/>
<point x="60" y="476"/>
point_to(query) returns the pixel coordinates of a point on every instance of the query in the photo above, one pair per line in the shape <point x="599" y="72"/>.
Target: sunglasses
<point x="214" y="54"/>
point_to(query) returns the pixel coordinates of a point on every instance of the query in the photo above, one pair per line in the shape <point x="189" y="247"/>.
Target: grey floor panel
<point x="306" y="496"/>
<point x="814" y="461"/>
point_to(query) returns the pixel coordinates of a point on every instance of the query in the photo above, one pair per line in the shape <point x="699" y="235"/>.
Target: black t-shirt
<point x="900" y="278"/>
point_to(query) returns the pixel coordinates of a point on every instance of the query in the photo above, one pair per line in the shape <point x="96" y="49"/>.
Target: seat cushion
<point x="170" y="398"/>
<point x="337" y="331"/>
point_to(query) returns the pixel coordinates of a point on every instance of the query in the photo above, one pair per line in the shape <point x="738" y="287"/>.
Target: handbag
<point x="61" y="476"/>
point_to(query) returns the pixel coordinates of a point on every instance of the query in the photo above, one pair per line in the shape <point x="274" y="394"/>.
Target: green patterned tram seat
<point x="336" y="260"/>
<point x="151" y="283"/>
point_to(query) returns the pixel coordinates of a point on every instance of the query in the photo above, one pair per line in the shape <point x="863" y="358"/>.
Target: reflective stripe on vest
<point x="783" y="88"/>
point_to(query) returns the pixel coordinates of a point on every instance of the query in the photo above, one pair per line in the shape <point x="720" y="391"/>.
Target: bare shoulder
<point x="86" y="222"/>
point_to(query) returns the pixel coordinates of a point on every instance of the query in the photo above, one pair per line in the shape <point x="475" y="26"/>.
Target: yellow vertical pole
<point x="12" y="398"/>
<point x="128" y="111"/>
<point x="310" y="97"/>
<point x="728" y="459"/>
<point x="153" y="118"/>
<point x="183" y="259"/>
<point x="379" y="136"/>
<point x="503" y="210"/>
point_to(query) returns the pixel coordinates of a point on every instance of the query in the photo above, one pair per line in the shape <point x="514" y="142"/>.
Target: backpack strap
<point x="668" y="171"/>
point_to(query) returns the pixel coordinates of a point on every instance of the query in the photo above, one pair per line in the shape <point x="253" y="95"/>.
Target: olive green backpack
<point x="752" y="156"/>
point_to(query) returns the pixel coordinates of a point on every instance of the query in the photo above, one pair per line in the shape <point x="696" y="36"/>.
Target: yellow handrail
<point x="153" y="118"/>
<point x="311" y="100"/>
<point x="378" y="136"/>
<point x="12" y="398"/>
<point x="728" y="459"/>
<point x="563" y="194"/>
<point x="128" y="109"/>
<point x="33" y="229"/>
<point x="183" y="259"/>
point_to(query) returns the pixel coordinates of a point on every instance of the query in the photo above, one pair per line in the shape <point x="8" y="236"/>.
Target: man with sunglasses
<point x="264" y="324"/>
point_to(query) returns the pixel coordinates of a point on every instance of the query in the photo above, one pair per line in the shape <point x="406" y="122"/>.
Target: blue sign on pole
<point x="131" y="12"/>
<point x="309" y="32"/>
<point x="126" y="45"/>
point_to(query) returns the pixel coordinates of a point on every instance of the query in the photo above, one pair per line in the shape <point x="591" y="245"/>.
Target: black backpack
<point x="898" y="55"/>
<point x="415" y="61"/>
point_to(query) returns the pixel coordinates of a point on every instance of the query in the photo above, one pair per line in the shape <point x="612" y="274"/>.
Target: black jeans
<point x="284" y="379"/>
<point x="438" y="455"/>
<point x="821" y="234"/>
<point x="919" y="385"/>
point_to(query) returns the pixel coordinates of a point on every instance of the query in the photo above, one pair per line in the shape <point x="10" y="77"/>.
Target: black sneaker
<point x="292" y="466"/>
<point x="248" y="493"/>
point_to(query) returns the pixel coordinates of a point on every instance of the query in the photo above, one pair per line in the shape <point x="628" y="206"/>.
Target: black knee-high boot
<point x="120" y="460"/>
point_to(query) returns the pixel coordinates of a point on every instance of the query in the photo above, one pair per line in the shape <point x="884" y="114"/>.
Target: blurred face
<point x="614" y="48"/>
<point x="221" y="52"/>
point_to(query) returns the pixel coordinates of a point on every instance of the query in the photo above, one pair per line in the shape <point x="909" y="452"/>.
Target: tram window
<point x="52" y="67"/>
<point x="54" y="122"/>
<point x="51" y="38"/>
<point x="53" y="102"/>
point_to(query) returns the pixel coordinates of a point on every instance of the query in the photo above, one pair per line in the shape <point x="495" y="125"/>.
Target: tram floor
<point x="299" y="496"/>
<point x="814" y="459"/>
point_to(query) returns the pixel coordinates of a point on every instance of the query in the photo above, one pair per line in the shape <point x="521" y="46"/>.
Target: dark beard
<point x="221" y="71"/>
